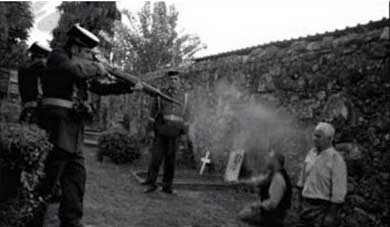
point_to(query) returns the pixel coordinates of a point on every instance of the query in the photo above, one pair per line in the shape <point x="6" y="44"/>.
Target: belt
<point x="57" y="102"/>
<point x="172" y="117"/>
<point x="316" y="201"/>
<point x="30" y="104"/>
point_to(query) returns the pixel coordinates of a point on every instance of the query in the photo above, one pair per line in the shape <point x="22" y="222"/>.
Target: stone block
<point x="350" y="151"/>
<point x="315" y="68"/>
<point x="385" y="34"/>
<point x="378" y="50"/>
<point x="321" y="95"/>
<point x="343" y="40"/>
<point x="337" y="106"/>
<point x="275" y="70"/>
<point x="327" y="41"/>
<point x="297" y="46"/>
<point x="313" y="46"/>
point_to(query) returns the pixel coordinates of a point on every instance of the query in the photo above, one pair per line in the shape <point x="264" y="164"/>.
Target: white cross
<point x="205" y="160"/>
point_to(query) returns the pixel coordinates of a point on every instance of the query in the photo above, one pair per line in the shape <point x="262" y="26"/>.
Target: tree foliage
<point x="16" y="19"/>
<point x="95" y="16"/>
<point x="152" y="40"/>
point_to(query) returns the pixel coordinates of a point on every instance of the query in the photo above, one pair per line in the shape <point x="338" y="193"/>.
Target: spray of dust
<point x="227" y="119"/>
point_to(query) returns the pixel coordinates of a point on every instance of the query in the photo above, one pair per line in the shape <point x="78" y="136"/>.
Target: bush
<point x="118" y="146"/>
<point x="23" y="149"/>
<point x="9" y="112"/>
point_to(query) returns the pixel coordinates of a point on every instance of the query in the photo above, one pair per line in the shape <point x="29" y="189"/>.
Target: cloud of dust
<point x="233" y="120"/>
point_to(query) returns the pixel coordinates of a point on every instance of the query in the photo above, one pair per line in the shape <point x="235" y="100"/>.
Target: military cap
<point x="39" y="48"/>
<point x="82" y="36"/>
<point x="172" y="73"/>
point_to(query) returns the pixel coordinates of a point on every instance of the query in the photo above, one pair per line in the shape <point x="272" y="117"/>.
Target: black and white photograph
<point x="195" y="113"/>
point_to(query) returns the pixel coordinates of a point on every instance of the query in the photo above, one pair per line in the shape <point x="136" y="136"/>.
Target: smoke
<point x="228" y="118"/>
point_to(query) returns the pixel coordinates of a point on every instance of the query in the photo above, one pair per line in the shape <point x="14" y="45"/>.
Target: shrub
<point x="23" y="149"/>
<point x="118" y="146"/>
<point x="9" y="112"/>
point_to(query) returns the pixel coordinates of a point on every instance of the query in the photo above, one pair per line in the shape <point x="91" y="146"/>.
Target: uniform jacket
<point x="64" y="77"/>
<point x="28" y="77"/>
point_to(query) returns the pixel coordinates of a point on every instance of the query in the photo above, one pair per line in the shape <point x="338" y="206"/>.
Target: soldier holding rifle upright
<point x="63" y="115"/>
<point x="169" y="122"/>
<point x="29" y="81"/>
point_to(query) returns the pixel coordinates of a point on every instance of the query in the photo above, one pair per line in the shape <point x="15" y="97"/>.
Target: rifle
<point x="147" y="88"/>
<point x="133" y="80"/>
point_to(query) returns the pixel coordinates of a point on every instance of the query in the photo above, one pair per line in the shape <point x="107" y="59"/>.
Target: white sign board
<point x="234" y="165"/>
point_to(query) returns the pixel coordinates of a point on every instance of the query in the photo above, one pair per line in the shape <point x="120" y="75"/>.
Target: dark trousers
<point x="68" y="169"/>
<point x="313" y="213"/>
<point x="164" y="148"/>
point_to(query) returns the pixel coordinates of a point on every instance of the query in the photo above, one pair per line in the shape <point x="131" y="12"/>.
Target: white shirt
<point x="324" y="176"/>
<point x="275" y="191"/>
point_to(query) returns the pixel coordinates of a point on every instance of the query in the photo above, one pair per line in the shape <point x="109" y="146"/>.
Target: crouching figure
<point x="274" y="195"/>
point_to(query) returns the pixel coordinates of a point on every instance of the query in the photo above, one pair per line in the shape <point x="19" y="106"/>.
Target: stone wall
<point x="9" y="96"/>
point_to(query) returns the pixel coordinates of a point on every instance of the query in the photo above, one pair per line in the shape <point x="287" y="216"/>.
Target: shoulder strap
<point x="39" y="85"/>
<point x="185" y="104"/>
<point x="157" y="106"/>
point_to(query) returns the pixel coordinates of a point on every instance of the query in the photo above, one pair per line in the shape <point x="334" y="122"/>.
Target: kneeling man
<point x="275" y="195"/>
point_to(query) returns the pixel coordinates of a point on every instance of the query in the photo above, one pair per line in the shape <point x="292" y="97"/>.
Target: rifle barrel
<point x="147" y="88"/>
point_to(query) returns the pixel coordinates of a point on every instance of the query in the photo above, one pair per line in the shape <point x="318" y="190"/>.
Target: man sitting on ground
<point x="275" y="194"/>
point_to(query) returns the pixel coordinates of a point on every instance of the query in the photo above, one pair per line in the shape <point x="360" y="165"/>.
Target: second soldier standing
<point x="29" y="77"/>
<point x="169" y="121"/>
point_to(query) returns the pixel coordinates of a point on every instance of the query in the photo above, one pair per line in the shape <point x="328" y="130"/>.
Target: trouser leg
<point x="312" y="213"/>
<point x="155" y="160"/>
<point x="169" y="163"/>
<point x="73" y="188"/>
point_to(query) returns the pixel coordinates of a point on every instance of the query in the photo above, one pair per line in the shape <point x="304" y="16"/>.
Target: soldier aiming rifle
<point x="69" y="73"/>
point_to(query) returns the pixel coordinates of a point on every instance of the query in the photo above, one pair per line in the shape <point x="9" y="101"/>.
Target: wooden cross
<point x="205" y="160"/>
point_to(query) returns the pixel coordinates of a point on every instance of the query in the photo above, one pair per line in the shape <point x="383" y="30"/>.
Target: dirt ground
<point x="115" y="199"/>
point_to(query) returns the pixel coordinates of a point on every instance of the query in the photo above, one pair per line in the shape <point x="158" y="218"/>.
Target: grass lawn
<point x="115" y="199"/>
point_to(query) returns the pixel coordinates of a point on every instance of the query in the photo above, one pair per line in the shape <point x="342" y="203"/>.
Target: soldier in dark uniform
<point x="70" y="71"/>
<point x="169" y="122"/>
<point x="28" y="76"/>
<point x="29" y="82"/>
